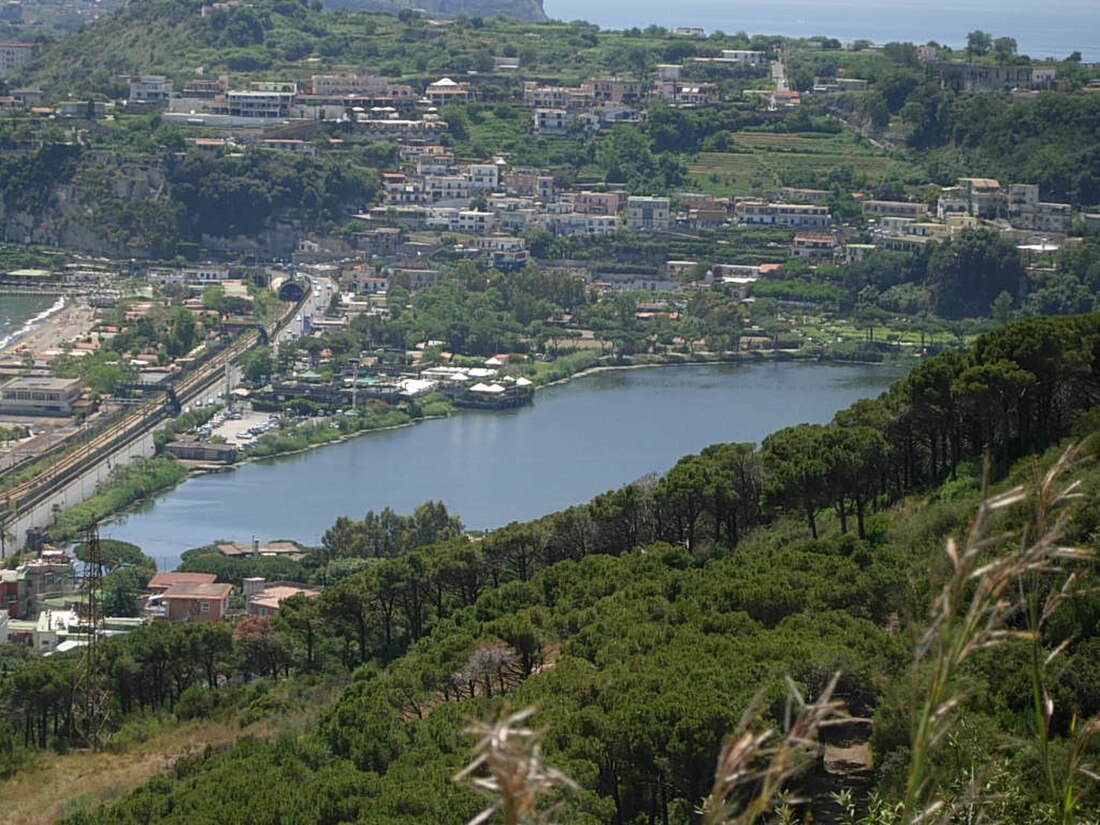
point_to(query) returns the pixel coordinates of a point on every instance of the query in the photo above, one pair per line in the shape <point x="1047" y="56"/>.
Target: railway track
<point x="70" y="464"/>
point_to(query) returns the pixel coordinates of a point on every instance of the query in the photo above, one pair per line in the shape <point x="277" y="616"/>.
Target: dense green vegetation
<point x="127" y="484"/>
<point x="641" y="624"/>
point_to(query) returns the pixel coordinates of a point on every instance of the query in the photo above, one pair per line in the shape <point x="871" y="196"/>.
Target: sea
<point x="1042" y="28"/>
<point x="18" y="313"/>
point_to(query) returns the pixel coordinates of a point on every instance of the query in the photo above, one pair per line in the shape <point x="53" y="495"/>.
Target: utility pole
<point x="90" y="708"/>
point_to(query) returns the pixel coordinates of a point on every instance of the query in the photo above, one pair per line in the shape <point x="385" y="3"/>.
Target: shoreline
<point x="198" y="470"/>
<point x="69" y="318"/>
<point x="13" y="341"/>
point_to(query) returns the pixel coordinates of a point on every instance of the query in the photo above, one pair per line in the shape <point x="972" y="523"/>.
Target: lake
<point x="579" y="439"/>
<point x="1052" y="28"/>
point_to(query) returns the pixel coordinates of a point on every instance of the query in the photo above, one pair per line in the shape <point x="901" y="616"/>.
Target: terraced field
<point x="765" y="159"/>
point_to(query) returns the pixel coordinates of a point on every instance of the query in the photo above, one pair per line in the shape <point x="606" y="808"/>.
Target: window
<point x="204" y="607"/>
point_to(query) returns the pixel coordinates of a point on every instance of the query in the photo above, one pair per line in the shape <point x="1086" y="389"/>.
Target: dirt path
<point x="60" y="783"/>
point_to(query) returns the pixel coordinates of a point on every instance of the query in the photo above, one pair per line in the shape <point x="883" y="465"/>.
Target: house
<point x="983" y="196"/>
<point x="793" y="194"/>
<point x="896" y="209"/>
<point x="505" y="64"/>
<point x="197" y="602"/>
<point x="986" y="77"/>
<point x="617" y="90"/>
<point x="33" y="395"/>
<point x="428" y="128"/>
<point x="750" y="56"/>
<point x="685" y="94"/>
<point x="12" y="594"/>
<point x="812" y="248"/>
<point x="784" y="99"/>
<point x="570" y="98"/>
<point x="1026" y="211"/>
<point x="263" y="599"/>
<point x="263" y="100"/>
<point x="86" y="109"/>
<point x="28" y="97"/>
<point x="445" y="91"/>
<point x="203" y="451"/>
<point x="475" y="222"/>
<point x="397" y="188"/>
<point x="762" y="213"/>
<point x="153" y="88"/>
<point x="739" y="289"/>
<point x="204" y="275"/>
<point x="14" y="56"/>
<point x="206" y="88"/>
<point x="599" y="203"/>
<point x="855" y="252"/>
<point x="379" y="243"/>
<point x="577" y="223"/>
<point x="52" y="574"/>
<point x="529" y="183"/>
<point x="285" y="549"/>
<point x="553" y="122"/>
<point x="953" y="200"/>
<point x="298" y="147"/>
<point x="504" y="252"/>
<point x="446" y="188"/>
<point x="413" y="278"/>
<point x="162" y="581"/>
<point x="635" y="282"/>
<point x="646" y="213"/>
<point x="483" y="176"/>
<point x="850" y="84"/>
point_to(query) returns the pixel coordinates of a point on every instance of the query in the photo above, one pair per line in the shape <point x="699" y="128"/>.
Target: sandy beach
<point x="69" y="323"/>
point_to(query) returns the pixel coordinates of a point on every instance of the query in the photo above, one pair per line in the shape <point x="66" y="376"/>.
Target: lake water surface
<point x="578" y="439"/>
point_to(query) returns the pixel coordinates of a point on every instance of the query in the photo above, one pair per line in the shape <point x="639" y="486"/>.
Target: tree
<point x="978" y="43"/>
<point x="258" y="364"/>
<point x="967" y="273"/>
<point x="796" y="470"/>
<point x="1004" y="49"/>
<point x="740" y="466"/>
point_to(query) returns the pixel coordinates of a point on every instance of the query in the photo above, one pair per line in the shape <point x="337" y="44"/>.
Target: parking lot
<point x="240" y="431"/>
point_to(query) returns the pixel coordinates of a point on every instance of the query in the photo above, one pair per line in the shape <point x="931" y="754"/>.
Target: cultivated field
<point x="761" y="160"/>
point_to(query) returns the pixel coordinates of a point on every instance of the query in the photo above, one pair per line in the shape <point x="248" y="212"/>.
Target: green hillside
<point x="528" y="10"/>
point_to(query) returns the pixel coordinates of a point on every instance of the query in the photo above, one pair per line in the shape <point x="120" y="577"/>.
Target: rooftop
<point x="192" y="591"/>
<point x="32" y="382"/>
<point x="168" y="580"/>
